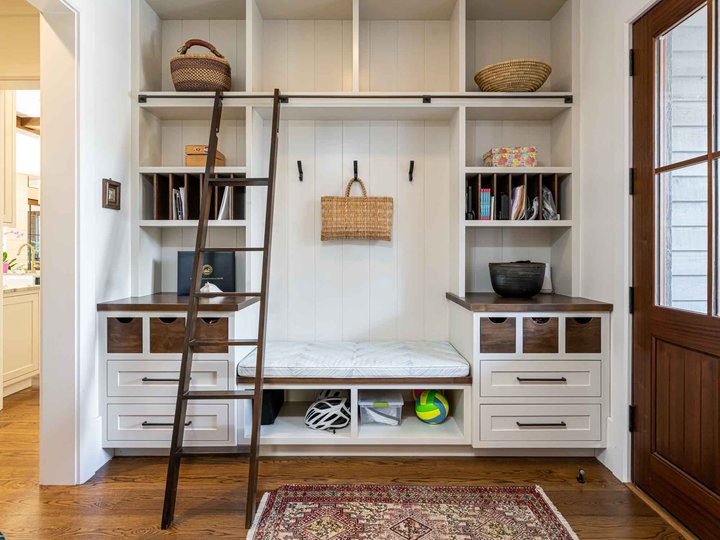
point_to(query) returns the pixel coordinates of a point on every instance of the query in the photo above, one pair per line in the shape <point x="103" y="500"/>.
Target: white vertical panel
<point x="356" y="253"/>
<point x="488" y="43"/>
<point x="172" y="242"/>
<point x="383" y="56"/>
<point x="437" y="229"/>
<point x="278" y="294"/>
<point x="274" y="55"/>
<point x="410" y="231"/>
<point x="515" y="41"/>
<point x="301" y="236"/>
<point x="471" y="157"/>
<point x="348" y="40"/>
<point x="470" y="62"/>
<point x="364" y="54"/>
<point x="383" y="255"/>
<point x="411" y="55"/>
<point x="329" y="51"/>
<point x="328" y="255"/>
<point x="300" y="55"/>
<point x="172" y="141"/>
<point x="539" y="46"/>
<point x="223" y="34"/>
<point x="171" y="40"/>
<point x="227" y="141"/>
<point x="239" y="75"/>
<point x="437" y="56"/>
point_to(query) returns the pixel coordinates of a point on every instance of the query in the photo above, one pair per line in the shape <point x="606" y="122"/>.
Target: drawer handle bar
<point x="541" y="424"/>
<point x="159" y="379"/>
<point x="162" y="424"/>
<point x="541" y="380"/>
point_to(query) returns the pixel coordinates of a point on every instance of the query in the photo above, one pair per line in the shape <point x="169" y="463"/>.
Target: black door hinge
<point x="631" y="418"/>
<point x="631" y="179"/>
<point x="631" y="300"/>
<point x="632" y="62"/>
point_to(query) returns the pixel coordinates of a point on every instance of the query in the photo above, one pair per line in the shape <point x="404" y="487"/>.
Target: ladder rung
<point x="220" y="394"/>
<point x="239" y="182"/>
<point x="240" y="450"/>
<point x="227" y="294"/>
<point x="224" y="342"/>
<point x="238" y="249"/>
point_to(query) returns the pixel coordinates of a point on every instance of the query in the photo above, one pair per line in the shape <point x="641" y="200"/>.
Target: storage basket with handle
<point x="356" y="218"/>
<point x="199" y="72"/>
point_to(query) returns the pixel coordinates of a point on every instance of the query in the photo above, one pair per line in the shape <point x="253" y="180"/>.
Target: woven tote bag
<point x="356" y="218"/>
<point x="199" y="72"/>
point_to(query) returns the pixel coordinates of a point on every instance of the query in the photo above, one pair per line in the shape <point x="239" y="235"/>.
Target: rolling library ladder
<point x="177" y="449"/>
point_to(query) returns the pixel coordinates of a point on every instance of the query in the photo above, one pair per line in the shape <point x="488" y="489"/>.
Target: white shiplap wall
<point x="361" y="290"/>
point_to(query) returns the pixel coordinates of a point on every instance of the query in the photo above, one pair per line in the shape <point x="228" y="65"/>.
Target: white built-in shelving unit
<point x="383" y="83"/>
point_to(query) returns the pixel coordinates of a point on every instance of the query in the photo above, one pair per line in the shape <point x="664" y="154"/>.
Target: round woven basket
<point x="513" y="76"/>
<point x="200" y="72"/>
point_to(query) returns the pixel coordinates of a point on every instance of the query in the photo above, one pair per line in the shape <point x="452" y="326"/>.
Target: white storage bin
<point x="380" y="407"/>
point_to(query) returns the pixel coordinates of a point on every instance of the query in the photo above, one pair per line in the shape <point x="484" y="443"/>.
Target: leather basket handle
<point x="183" y="49"/>
<point x="350" y="183"/>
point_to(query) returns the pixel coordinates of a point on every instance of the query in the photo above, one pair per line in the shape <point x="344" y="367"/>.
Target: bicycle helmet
<point x="324" y="394"/>
<point x="328" y="414"/>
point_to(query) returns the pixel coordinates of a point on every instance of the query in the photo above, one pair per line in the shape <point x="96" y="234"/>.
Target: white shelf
<point x="190" y="223"/>
<point x="289" y="428"/>
<point x="413" y="431"/>
<point x="563" y="223"/>
<point x="191" y="170"/>
<point x="518" y="170"/>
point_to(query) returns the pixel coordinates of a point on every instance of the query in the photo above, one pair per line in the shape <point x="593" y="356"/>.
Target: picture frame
<point x="111" y="195"/>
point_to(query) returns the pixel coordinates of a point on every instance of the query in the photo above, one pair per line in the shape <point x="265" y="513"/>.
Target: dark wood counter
<point x="490" y="302"/>
<point x="173" y="302"/>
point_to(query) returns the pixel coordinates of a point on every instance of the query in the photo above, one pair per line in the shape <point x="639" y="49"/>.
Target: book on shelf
<point x="224" y="211"/>
<point x="485" y="204"/>
<point x="177" y="206"/>
<point x="519" y="203"/>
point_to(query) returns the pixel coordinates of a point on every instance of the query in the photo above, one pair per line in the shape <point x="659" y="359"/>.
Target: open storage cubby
<point x="302" y="46"/>
<point x="409" y="46"/>
<point x="164" y="25"/>
<point x="506" y="30"/>
<point x="158" y="192"/>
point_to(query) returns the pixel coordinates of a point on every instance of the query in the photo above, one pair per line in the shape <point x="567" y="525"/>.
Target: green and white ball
<point x="432" y="407"/>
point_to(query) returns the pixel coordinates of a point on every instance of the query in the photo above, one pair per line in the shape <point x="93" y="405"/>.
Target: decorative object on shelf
<point x="511" y="156"/>
<point x="519" y="203"/>
<point x="549" y="209"/>
<point x="328" y="414"/>
<point x="199" y="72"/>
<point x="547" y="286"/>
<point x="521" y="75"/>
<point x="218" y="269"/>
<point x="469" y="212"/>
<point x="356" y="218"/>
<point x="380" y="407"/>
<point x="196" y="156"/>
<point x="432" y="407"/>
<point x="521" y="279"/>
<point x="111" y="194"/>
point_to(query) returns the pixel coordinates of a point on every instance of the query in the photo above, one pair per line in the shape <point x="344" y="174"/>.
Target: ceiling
<point x="513" y="10"/>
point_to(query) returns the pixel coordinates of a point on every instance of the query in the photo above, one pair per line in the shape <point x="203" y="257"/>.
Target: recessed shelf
<point x="507" y="110"/>
<point x="412" y="431"/>
<point x="496" y="223"/>
<point x="289" y="428"/>
<point x="190" y="170"/>
<point x="190" y="223"/>
<point x="518" y="170"/>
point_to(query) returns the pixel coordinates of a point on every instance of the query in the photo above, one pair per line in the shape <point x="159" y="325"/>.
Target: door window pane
<point x="681" y="238"/>
<point x="682" y="91"/>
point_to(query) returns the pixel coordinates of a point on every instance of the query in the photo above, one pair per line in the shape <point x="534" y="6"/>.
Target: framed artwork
<point x="111" y="194"/>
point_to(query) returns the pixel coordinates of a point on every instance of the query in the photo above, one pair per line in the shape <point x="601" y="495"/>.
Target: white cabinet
<point x="7" y="155"/>
<point x="21" y="339"/>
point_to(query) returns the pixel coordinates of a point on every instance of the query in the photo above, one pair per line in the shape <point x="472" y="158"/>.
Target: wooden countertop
<point x="173" y="302"/>
<point x="487" y="302"/>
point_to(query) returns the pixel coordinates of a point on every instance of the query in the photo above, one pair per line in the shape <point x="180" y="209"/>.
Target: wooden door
<point x="676" y="329"/>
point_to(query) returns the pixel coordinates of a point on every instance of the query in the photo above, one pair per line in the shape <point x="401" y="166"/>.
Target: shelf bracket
<point x="426" y="99"/>
<point x="569" y="99"/>
<point x="142" y="98"/>
<point x="284" y="99"/>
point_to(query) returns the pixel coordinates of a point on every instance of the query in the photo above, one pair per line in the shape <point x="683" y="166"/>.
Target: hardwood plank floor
<point x="124" y="499"/>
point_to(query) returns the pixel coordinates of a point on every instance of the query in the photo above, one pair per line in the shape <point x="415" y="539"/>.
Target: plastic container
<point x="380" y="407"/>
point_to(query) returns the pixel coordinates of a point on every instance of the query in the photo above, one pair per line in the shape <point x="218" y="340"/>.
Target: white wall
<point x="605" y="203"/>
<point x="87" y="248"/>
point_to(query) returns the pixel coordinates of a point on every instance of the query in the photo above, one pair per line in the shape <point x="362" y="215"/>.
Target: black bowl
<point x="517" y="279"/>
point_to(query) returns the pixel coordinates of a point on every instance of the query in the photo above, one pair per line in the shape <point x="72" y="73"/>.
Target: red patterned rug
<point x="369" y="512"/>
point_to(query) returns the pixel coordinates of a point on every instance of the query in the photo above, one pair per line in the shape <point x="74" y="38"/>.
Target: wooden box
<point x="497" y="335"/>
<point x="196" y="156"/>
<point x="540" y="335"/>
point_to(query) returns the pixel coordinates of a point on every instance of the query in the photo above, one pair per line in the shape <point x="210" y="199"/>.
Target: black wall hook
<point x="300" y="171"/>
<point x="355" y="174"/>
<point x="412" y="169"/>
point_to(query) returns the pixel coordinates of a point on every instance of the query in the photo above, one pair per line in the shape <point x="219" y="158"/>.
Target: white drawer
<point x="540" y="423"/>
<point x="143" y="422"/>
<point x="158" y="378"/>
<point x="536" y="378"/>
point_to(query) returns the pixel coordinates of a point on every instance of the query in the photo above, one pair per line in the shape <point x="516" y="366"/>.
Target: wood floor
<point x="124" y="499"/>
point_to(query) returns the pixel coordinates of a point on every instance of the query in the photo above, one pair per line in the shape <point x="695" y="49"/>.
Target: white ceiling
<point x="306" y="9"/>
<point x="419" y="10"/>
<point x="198" y="9"/>
<point x="513" y="10"/>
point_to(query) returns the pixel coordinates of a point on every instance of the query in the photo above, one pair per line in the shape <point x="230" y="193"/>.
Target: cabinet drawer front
<point x="540" y="335"/>
<point x="142" y="422"/>
<point x="534" y="378"/>
<point x="583" y="335"/>
<point x="497" y="335"/>
<point x="540" y="423"/>
<point x="167" y="335"/>
<point x="135" y="378"/>
<point x="124" y="335"/>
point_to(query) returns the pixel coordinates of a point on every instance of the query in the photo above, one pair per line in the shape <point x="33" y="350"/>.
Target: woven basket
<point x="199" y="72"/>
<point x="513" y="76"/>
<point x="356" y="218"/>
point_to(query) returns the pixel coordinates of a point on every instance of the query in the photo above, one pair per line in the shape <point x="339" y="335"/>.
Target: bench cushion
<point x="356" y="360"/>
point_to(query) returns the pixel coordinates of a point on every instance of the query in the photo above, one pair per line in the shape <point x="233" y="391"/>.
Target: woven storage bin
<point x="513" y="76"/>
<point x="200" y="72"/>
<point x="356" y="218"/>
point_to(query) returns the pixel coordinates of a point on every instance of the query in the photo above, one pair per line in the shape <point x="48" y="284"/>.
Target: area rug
<point x="373" y="512"/>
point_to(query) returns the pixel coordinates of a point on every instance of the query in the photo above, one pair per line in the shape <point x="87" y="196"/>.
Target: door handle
<point x="160" y="379"/>
<point x="541" y="424"/>
<point x="162" y="424"/>
<point x="540" y="379"/>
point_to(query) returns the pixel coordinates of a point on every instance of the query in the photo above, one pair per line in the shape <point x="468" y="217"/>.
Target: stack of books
<point x="487" y="205"/>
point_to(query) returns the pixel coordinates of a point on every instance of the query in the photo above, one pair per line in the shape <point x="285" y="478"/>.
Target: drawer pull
<point x="162" y="424"/>
<point x="541" y="424"/>
<point x="541" y="380"/>
<point x="159" y="379"/>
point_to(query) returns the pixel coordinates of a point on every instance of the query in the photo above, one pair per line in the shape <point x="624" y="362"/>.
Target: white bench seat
<point x="358" y="360"/>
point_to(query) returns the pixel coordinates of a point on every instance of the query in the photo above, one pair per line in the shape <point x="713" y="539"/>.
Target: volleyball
<point x="432" y="407"/>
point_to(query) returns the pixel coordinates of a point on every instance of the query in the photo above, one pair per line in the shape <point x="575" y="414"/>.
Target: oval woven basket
<point x="200" y="72"/>
<point x="513" y="76"/>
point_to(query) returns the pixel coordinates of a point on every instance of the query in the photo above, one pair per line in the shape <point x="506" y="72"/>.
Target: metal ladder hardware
<point x="191" y="343"/>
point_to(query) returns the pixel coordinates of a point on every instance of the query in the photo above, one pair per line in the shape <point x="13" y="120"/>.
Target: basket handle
<point x="183" y="49"/>
<point x="351" y="182"/>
